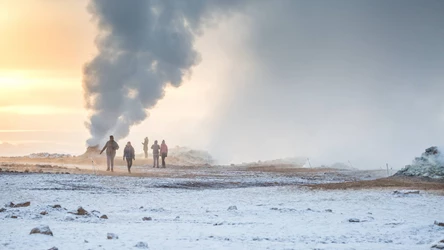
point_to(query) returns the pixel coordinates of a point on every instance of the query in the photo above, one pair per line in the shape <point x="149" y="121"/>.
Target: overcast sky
<point x="335" y="81"/>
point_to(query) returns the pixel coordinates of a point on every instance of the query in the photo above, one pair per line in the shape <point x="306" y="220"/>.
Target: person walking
<point x="129" y="156"/>
<point x="111" y="147"/>
<point x="145" y="147"/>
<point x="163" y="152"/>
<point x="155" y="149"/>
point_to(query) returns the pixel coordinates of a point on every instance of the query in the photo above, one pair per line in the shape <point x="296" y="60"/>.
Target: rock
<point x="10" y="204"/>
<point x="104" y="217"/>
<point x="429" y="164"/>
<point x="80" y="211"/>
<point x="40" y="171"/>
<point x="232" y="208"/>
<point x="438" y="246"/>
<point x="69" y="218"/>
<point x="14" y="217"/>
<point x="328" y="210"/>
<point x="2" y="210"/>
<point x="147" y="219"/>
<point x="141" y="244"/>
<point x="26" y="170"/>
<point x="354" y="220"/>
<point x="441" y="224"/>
<point x="111" y="236"/>
<point x="23" y="204"/>
<point x="56" y="206"/>
<point x="96" y="213"/>
<point x="405" y="192"/>
<point x="43" y="213"/>
<point x="41" y="230"/>
<point x="53" y="248"/>
<point x="85" y="241"/>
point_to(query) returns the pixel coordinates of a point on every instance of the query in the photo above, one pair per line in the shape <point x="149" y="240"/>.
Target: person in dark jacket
<point x="145" y="147"/>
<point x="111" y="147"/>
<point x="155" y="149"/>
<point x="129" y="156"/>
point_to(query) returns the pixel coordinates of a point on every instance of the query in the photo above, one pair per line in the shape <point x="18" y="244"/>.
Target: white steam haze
<point x="336" y="81"/>
<point x="143" y="46"/>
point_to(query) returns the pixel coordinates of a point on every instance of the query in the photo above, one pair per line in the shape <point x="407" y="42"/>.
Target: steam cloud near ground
<point x="337" y="81"/>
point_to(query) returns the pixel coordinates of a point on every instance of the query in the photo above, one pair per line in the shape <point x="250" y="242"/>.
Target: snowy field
<point x="285" y="217"/>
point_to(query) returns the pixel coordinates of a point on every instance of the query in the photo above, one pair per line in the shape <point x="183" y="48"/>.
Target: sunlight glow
<point x="20" y="79"/>
<point x="39" y="110"/>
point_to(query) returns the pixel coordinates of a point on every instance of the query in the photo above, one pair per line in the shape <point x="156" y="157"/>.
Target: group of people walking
<point x="129" y="155"/>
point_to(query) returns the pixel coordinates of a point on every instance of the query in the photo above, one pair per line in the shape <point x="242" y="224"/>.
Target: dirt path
<point x="394" y="182"/>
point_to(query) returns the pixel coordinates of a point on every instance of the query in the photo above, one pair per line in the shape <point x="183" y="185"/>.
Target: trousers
<point x="129" y="162"/>
<point x="163" y="159"/>
<point x="155" y="160"/>
<point x="110" y="161"/>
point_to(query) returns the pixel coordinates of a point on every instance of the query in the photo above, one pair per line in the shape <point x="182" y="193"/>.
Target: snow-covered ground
<point x="286" y="217"/>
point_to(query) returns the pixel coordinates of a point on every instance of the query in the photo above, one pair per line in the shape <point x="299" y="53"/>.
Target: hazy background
<point x="330" y="80"/>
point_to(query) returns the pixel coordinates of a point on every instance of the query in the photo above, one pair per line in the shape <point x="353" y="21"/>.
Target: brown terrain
<point x="342" y="179"/>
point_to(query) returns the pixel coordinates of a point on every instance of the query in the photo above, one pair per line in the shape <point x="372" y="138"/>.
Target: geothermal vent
<point x="430" y="164"/>
<point x="91" y="151"/>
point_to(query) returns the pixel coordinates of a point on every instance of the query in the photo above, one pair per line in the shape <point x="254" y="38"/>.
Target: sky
<point x="336" y="81"/>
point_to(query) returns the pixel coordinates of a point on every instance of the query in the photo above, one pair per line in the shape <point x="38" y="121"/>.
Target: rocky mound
<point x="91" y="151"/>
<point x="430" y="164"/>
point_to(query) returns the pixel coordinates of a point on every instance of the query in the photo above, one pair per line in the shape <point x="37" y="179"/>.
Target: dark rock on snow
<point x="354" y="220"/>
<point x="111" y="236"/>
<point x="232" y="208"/>
<point x="142" y="245"/>
<point x="23" y="204"/>
<point x="80" y="211"/>
<point x="441" y="224"/>
<point x="41" y="230"/>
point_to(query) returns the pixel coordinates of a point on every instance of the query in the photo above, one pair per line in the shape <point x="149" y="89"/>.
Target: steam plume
<point x="143" y="45"/>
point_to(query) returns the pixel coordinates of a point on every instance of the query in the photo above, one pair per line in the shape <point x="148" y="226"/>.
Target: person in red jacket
<point x="163" y="152"/>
